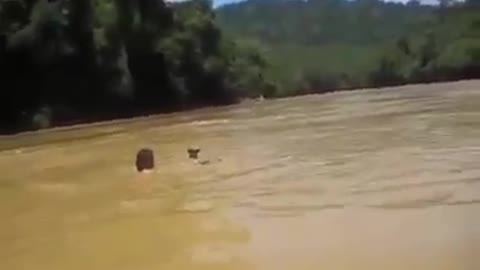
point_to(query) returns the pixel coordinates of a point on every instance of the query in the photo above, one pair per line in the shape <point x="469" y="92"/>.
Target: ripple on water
<point x="463" y="202"/>
<point x="408" y="186"/>
<point x="301" y="207"/>
<point x="263" y="207"/>
<point x="201" y="206"/>
<point x="422" y="202"/>
<point x="210" y="122"/>
<point x="57" y="188"/>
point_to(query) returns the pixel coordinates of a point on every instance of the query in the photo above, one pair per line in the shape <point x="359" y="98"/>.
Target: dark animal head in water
<point x="145" y="160"/>
<point x="193" y="152"/>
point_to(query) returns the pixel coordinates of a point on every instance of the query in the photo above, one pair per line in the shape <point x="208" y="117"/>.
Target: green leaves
<point x="356" y="43"/>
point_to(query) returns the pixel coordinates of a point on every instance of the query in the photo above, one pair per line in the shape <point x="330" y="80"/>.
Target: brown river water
<point x="375" y="179"/>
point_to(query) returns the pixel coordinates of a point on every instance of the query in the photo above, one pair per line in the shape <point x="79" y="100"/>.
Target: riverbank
<point x="116" y="118"/>
<point x="108" y="127"/>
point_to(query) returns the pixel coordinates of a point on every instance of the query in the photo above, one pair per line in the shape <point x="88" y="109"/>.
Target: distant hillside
<point x="319" y="22"/>
<point x="357" y="43"/>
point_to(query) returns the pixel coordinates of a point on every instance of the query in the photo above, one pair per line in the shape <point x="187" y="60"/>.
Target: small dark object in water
<point x="193" y="152"/>
<point x="145" y="160"/>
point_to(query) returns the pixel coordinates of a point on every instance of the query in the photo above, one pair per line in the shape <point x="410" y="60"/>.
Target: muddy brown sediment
<point x="366" y="180"/>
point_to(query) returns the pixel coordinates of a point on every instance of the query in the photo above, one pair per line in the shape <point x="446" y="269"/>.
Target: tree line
<point x="324" y="45"/>
<point x="69" y="61"/>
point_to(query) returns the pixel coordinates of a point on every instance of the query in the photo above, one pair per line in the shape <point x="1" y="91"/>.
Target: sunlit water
<point x="384" y="179"/>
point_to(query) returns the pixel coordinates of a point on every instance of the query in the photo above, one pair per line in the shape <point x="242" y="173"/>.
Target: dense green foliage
<point x="323" y="45"/>
<point x="65" y="61"/>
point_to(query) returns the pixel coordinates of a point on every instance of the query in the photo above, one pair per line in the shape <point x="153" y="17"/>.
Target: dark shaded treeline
<point x="323" y="45"/>
<point x="71" y="61"/>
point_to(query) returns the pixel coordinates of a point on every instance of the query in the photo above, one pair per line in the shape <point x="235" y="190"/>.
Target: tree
<point x="93" y="59"/>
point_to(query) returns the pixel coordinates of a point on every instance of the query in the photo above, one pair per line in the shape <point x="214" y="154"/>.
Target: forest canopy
<point x="324" y="45"/>
<point x="76" y="60"/>
<point x="70" y="61"/>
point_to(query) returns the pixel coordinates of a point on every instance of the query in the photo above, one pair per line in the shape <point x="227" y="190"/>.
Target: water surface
<point x="378" y="179"/>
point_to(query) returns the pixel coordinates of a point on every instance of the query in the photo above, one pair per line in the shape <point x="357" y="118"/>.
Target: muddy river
<point x="376" y="179"/>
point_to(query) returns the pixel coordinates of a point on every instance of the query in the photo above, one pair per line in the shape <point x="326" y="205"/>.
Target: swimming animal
<point x="145" y="160"/>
